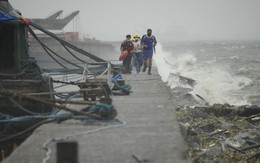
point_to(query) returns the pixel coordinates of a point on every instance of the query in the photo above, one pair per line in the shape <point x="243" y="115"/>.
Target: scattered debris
<point x="222" y="133"/>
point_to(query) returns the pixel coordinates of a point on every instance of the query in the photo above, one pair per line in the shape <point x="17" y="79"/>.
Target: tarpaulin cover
<point x="4" y="17"/>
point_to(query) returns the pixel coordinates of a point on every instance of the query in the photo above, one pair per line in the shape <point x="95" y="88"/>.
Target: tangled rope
<point x="8" y="120"/>
<point x="104" y="111"/>
<point x="126" y="89"/>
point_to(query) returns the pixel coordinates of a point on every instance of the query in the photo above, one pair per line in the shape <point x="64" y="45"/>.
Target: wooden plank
<point x="74" y="102"/>
<point x="20" y="83"/>
<point x="23" y="91"/>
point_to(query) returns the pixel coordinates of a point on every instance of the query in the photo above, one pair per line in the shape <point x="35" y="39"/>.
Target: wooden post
<point x="109" y="73"/>
<point x="67" y="152"/>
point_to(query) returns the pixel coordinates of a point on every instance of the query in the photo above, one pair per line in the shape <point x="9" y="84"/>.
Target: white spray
<point x="213" y="83"/>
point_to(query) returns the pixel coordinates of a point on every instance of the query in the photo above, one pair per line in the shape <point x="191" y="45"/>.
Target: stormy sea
<point x="215" y="87"/>
<point x="220" y="71"/>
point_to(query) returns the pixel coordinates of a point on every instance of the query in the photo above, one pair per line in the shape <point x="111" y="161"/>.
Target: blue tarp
<point x="4" y="17"/>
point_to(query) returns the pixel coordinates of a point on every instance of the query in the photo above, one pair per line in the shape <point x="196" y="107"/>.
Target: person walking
<point x="148" y="43"/>
<point x="137" y="53"/>
<point x="127" y="45"/>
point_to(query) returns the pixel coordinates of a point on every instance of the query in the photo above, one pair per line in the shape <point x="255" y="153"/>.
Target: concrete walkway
<point x="148" y="131"/>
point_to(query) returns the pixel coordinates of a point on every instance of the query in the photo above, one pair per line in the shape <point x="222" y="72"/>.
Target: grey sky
<point x="169" y="19"/>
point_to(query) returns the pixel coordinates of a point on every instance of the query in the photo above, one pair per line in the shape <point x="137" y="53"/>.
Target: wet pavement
<point x="145" y="130"/>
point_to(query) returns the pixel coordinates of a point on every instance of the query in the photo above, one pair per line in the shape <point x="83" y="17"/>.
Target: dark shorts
<point x="148" y="54"/>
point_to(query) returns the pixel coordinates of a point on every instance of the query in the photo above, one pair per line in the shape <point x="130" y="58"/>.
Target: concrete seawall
<point x="146" y="130"/>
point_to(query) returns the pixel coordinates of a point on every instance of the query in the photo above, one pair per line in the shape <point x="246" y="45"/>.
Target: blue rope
<point x="57" y="117"/>
<point x="54" y="110"/>
<point x="7" y="120"/>
<point x="5" y="126"/>
<point x="117" y="76"/>
<point x="124" y="88"/>
<point x="101" y="109"/>
<point x="5" y="116"/>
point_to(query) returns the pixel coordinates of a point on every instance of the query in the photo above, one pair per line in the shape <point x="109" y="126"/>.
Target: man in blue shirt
<point x="148" y="43"/>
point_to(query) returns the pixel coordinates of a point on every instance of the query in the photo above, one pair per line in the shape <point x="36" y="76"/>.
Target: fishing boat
<point x="20" y="76"/>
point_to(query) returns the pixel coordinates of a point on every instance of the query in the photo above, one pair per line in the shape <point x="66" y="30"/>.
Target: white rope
<point x="48" y="142"/>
